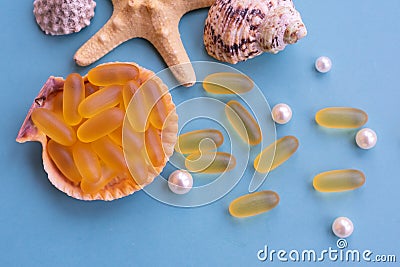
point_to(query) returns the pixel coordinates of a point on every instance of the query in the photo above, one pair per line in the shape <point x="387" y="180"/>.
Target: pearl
<point x="366" y="138"/>
<point x="323" y="64"/>
<point x="281" y="113"/>
<point x="342" y="227"/>
<point x="180" y="182"/>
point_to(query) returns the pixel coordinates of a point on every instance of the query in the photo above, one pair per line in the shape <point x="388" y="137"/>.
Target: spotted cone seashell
<point x="58" y="17"/>
<point x="236" y="30"/>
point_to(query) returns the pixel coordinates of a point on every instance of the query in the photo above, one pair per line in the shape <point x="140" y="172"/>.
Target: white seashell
<point x="58" y="17"/>
<point x="236" y="30"/>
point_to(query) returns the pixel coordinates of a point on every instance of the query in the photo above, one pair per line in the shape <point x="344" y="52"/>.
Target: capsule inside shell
<point x="87" y="160"/>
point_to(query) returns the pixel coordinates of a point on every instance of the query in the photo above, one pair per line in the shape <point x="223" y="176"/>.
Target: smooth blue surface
<point x="41" y="226"/>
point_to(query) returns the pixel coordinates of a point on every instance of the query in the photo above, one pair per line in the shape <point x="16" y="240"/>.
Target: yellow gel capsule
<point x="127" y="92"/>
<point x="132" y="141"/>
<point x="63" y="159"/>
<point x="86" y="161"/>
<point x="110" y="153"/>
<point x="243" y="122"/>
<point x="116" y="136"/>
<point x="138" y="113"/>
<point x="155" y="102"/>
<point x="190" y="142"/>
<point x="275" y="154"/>
<point x="341" y="117"/>
<point x="253" y="204"/>
<point x="137" y="165"/>
<point x="227" y="83"/>
<point x="114" y="73"/>
<point x="74" y="93"/>
<point x="58" y="104"/>
<point x="90" y="187"/>
<point x="53" y="126"/>
<point x="154" y="147"/>
<point x="338" y="180"/>
<point x="100" y="125"/>
<point x="210" y="162"/>
<point x="100" y="100"/>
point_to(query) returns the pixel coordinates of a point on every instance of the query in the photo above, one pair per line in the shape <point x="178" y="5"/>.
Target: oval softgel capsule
<point x="341" y="117"/>
<point x="253" y="204"/>
<point x="338" y="180"/>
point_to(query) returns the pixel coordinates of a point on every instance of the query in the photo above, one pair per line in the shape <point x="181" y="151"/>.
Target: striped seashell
<point x="236" y="30"/>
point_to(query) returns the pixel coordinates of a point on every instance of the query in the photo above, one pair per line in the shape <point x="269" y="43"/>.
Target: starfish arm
<point x="169" y="45"/>
<point x="190" y="5"/>
<point x="112" y="34"/>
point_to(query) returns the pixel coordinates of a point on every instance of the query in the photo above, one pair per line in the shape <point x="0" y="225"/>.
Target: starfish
<point x="154" y="20"/>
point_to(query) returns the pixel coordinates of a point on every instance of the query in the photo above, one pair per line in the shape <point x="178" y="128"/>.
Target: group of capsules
<point x="201" y="144"/>
<point x="84" y="126"/>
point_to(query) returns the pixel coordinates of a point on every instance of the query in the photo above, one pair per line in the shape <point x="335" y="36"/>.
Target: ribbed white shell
<point x="58" y="17"/>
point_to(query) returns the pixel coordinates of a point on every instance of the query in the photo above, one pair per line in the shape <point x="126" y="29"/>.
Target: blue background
<point x="40" y="225"/>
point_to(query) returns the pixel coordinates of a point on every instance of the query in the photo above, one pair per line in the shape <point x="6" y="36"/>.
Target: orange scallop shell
<point x="120" y="186"/>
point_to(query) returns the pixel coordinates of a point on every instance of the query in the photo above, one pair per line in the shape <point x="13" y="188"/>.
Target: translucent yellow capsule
<point x="86" y="161"/>
<point x="341" y="117"/>
<point x="53" y="126"/>
<point x="114" y="73"/>
<point x="137" y="165"/>
<point x="154" y="147"/>
<point x="338" y="180"/>
<point x="156" y="103"/>
<point x="89" y="187"/>
<point x="116" y="136"/>
<point x="253" y="204"/>
<point x="110" y="153"/>
<point x="100" y="125"/>
<point x="275" y="154"/>
<point x="128" y="91"/>
<point x="132" y="141"/>
<point x="100" y="100"/>
<point x="74" y="93"/>
<point x="227" y="83"/>
<point x="138" y="112"/>
<point x="190" y="142"/>
<point x="63" y="159"/>
<point x="210" y="162"/>
<point x="57" y="102"/>
<point x="243" y="122"/>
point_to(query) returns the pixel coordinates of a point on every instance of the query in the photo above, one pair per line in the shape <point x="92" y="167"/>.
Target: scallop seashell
<point x="236" y="30"/>
<point x="58" y="17"/>
<point x="122" y="184"/>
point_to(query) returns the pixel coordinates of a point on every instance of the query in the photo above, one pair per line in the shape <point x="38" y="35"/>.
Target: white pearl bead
<point x="323" y="64"/>
<point x="366" y="138"/>
<point x="281" y="113"/>
<point x="180" y="182"/>
<point x="342" y="227"/>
